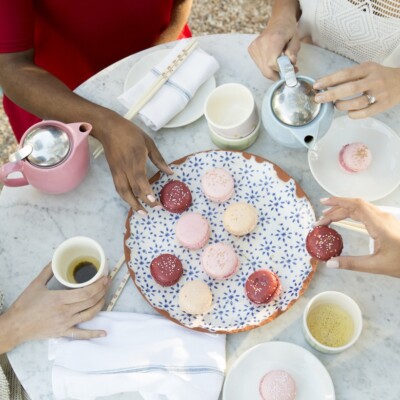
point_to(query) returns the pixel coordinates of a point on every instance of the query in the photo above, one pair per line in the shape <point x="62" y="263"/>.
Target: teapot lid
<point x="50" y="146"/>
<point x="293" y="101"/>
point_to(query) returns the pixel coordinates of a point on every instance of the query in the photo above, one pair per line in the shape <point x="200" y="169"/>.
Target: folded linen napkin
<point x="174" y="95"/>
<point x="144" y="353"/>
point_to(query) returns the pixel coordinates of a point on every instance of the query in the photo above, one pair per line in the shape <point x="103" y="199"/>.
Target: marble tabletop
<point x="34" y="224"/>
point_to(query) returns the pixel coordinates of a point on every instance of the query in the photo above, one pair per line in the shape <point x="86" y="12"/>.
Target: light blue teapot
<point x="289" y="113"/>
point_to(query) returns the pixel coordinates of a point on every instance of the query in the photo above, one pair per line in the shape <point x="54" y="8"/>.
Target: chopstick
<point x="157" y="84"/>
<point x="117" y="267"/>
<point x="118" y="292"/>
<point x="352" y="226"/>
<point x="121" y="286"/>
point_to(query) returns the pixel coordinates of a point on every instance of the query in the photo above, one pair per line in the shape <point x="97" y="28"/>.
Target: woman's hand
<point x="376" y="88"/>
<point x="40" y="313"/>
<point x="382" y="227"/>
<point x="280" y="36"/>
<point x="127" y="148"/>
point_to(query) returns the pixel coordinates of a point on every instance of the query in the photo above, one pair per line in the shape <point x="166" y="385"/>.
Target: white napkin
<point x="177" y="91"/>
<point x="144" y="353"/>
<point x="391" y="210"/>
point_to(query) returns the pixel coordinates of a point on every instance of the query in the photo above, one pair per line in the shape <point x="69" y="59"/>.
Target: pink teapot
<point x="53" y="157"/>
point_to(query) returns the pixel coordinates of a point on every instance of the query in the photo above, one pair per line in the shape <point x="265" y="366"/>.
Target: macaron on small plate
<point x="376" y="182"/>
<point x="285" y="217"/>
<point x="311" y="377"/>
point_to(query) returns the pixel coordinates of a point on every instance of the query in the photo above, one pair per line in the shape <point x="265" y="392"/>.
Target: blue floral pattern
<point x="278" y="242"/>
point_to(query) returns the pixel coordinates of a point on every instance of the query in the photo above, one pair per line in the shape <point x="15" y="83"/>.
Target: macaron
<point x="240" y="219"/>
<point x="323" y="243"/>
<point x="166" y="269"/>
<point x="192" y="230"/>
<point x="195" y="297"/>
<point x="217" y="185"/>
<point x="262" y="286"/>
<point x="355" y="157"/>
<point x="176" y="197"/>
<point x="277" y="385"/>
<point x="220" y="261"/>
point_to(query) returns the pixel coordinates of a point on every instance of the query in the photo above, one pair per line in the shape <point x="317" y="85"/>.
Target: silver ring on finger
<point x="371" y="99"/>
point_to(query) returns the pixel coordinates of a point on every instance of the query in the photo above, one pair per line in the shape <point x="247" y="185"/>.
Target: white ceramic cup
<point x="231" y="111"/>
<point x="347" y="304"/>
<point x="72" y="249"/>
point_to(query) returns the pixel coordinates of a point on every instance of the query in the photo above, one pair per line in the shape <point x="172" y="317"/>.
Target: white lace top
<point x="362" y="30"/>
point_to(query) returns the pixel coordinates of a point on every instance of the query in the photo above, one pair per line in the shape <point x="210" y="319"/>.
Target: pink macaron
<point x="355" y="157"/>
<point x="220" y="261"/>
<point x="192" y="231"/>
<point x="277" y="385"/>
<point x="217" y="185"/>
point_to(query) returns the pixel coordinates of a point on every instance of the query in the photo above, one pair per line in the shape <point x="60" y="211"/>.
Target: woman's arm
<point x="280" y="36"/>
<point x="179" y="17"/>
<point x="126" y="146"/>
<point x="40" y="313"/>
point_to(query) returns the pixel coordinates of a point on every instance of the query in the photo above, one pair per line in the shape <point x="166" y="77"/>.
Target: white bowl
<point x="344" y="302"/>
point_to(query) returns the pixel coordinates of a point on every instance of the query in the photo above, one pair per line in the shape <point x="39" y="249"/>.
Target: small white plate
<point x="313" y="381"/>
<point x="382" y="176"/>
<point x="195" y="108"/>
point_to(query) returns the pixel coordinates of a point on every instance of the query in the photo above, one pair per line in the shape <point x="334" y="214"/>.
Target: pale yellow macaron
<point x="240" y="219"/>
<point x="195" y="297"/>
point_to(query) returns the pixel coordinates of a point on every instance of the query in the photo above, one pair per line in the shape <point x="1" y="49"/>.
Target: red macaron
<point x="176" y="197"/>
<point x="166" y="269"/>
<point x="262" y="286"/>
<point x="323" y="243"/>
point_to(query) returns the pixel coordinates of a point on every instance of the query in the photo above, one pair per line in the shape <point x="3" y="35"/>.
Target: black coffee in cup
<point x="82" y="269"/>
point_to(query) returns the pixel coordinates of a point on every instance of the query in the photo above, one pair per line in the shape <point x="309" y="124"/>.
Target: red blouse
<point x="75" y="39"/>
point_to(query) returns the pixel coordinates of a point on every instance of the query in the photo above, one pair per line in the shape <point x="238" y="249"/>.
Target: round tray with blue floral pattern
<point x="285" y="216"/>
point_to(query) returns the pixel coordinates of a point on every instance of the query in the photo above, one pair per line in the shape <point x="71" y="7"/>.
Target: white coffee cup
<point x="77" y="251"/>
<point x="231" y="111"/>
<point x="348" y="305"/>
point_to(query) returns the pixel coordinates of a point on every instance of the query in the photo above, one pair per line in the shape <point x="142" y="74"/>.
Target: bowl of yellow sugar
<point x="332" y="322"/>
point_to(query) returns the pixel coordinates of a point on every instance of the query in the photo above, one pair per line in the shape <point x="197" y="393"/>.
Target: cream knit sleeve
<point x="361" y="30"/>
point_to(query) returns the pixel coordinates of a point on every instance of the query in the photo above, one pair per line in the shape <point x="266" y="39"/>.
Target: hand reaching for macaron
<point x="381" y="226"/>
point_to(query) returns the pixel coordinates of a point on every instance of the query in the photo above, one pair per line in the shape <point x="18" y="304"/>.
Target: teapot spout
<point x="80" y="131"/>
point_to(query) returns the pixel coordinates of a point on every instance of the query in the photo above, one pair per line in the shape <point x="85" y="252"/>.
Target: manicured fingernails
<point x="158" y="207"/>
<point x="332" y="263"/>
<point x="319" y="222"/>
<point x="151" y="198"/>
<point x="170" y="171"/>
<point x="324" y="200"/>
<point x="142" y="213"/>
<point x="102" y="334"/>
